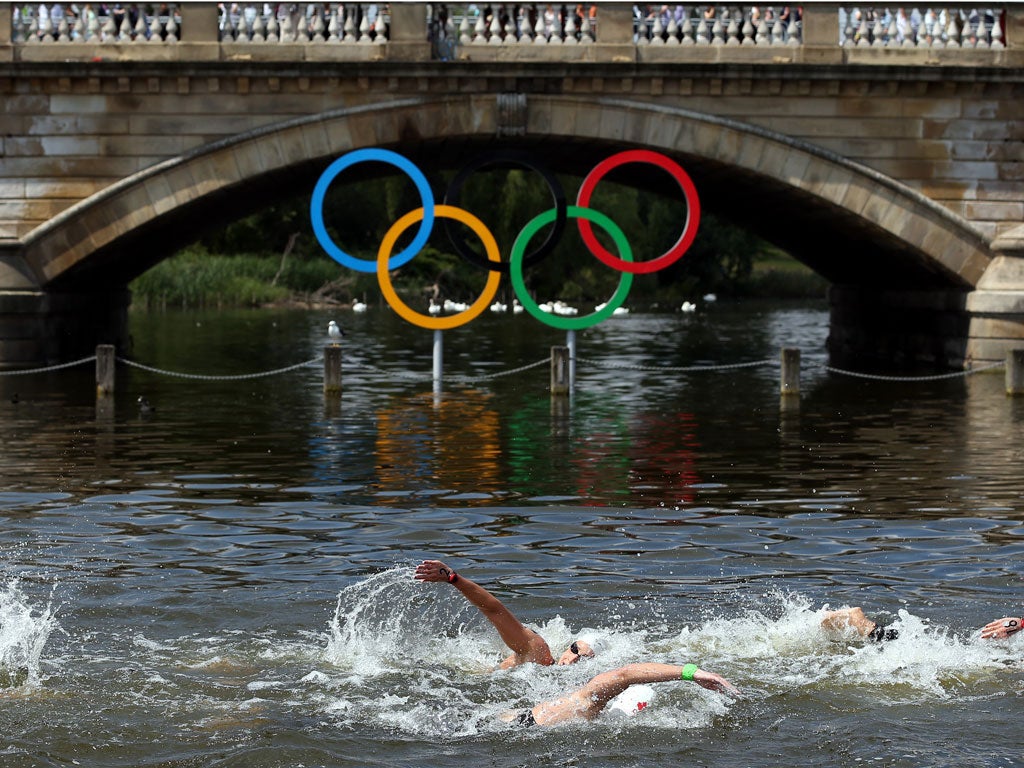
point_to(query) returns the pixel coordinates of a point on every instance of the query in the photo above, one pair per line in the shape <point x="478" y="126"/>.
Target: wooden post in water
<point x="105" y="363"/>
<point x="790" y="379"/>
<point x="332" y="369"/>
<point x="560" y="371"/>
<point x="1015" y="372"/>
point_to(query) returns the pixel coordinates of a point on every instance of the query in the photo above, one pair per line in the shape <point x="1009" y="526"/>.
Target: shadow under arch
<point x="850" y="224"/>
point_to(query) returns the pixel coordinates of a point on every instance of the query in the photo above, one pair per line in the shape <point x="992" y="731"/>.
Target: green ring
<point x="515" y="268"/>
<point x="689" y="670"/>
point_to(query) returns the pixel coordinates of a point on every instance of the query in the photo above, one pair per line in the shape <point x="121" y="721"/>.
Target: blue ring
<point x="316" y="208"/>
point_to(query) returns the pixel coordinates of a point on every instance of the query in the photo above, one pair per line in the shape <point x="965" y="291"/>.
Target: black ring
<point x="505" y="157"/>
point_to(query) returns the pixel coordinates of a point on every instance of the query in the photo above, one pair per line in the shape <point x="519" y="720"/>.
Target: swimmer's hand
<point x="714" y="682"/>
<point x="432" y="570"/>
<point x="1002" y="628"/>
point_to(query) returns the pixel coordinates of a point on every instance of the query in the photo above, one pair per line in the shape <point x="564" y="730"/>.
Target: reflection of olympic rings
<point x="519" y="257"/>
<point x="507" y="157"/>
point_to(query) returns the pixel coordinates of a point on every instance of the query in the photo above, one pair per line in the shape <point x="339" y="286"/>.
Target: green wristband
<point x="689" y="670"/>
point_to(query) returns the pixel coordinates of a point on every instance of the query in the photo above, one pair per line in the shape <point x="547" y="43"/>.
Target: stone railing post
<point x="198" y="22"/>
<point x="6" y="15"/>
<point x="1013" y="33"/>
<point x="615" y="31"/>
<point x="407" y="38"/>
<point x="820" y="32"/>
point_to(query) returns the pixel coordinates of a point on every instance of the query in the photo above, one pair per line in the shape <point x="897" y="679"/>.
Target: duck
<point x="144" y="406"/>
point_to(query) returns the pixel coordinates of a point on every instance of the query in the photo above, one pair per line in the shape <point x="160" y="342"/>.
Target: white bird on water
<point x="688" y="306"/>
<point x="334" y="333"/>
<point x="358" y="306"/>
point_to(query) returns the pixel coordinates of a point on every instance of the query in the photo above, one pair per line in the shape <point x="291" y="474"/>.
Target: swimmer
<point x="589" y="701"/>
<point x="854" y="618"/>
<point x="525" y="644"/>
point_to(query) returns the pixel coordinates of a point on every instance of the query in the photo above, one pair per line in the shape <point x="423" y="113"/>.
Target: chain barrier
<point x="207" y="377"/>
<point x="58" y="367"/>
<point x="455" y="377"/>
<point x="931" y="377"/>
<point x="510" y="372"/>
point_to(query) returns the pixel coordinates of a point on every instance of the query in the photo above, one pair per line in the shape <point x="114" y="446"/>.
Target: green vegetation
<point x="272" y="257"/>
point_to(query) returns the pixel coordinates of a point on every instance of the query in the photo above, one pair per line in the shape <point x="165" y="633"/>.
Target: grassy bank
<point x="196" y="278"/>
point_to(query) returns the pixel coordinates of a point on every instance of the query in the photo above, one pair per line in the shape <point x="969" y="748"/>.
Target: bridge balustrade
<point x="451" y="27"/>
<point x="941" y="27"/>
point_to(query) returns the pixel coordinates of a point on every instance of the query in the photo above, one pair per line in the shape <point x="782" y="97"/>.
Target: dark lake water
<point x="227" y="579"/>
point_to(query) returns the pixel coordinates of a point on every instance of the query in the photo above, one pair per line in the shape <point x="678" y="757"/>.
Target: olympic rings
<point x="316" y="207"/>
<point x="582" y="321"/>
<point x="519" y="257"/>
<point x="506" y="157"/>
<point x="403" y="309"/>
<point x="674" y="253"/>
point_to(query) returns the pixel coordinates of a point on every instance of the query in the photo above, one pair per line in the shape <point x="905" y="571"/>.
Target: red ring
<point x="685" y="240"/>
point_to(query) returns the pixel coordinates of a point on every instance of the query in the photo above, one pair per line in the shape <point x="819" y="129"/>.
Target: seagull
<point x="334" y="333"/>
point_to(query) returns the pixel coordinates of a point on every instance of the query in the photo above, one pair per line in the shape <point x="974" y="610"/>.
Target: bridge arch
<point x="903" y="269"/>
<point x="849" y="223"/>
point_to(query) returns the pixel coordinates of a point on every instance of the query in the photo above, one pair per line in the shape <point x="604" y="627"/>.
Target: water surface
<point x="226" y="580"/>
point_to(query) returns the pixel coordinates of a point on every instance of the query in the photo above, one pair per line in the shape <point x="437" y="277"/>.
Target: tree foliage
<point x="358" y="215"/>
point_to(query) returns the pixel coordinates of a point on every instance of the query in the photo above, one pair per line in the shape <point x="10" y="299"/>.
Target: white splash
<point x="24" y="631"/>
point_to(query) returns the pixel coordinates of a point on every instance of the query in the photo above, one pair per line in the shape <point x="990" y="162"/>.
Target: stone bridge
<point x="884" y="152"/>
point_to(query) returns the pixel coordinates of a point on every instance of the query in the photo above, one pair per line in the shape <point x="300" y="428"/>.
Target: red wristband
<point x="453" y="577"/>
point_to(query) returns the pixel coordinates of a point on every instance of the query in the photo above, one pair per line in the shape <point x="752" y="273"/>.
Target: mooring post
<point x="438" y="358"/>
<point x="790" y="378"/>
<point x="332" y="369"/>
<point x="1015" y="372"/>
<point x="560" y="371"/>
<point x="570" y="341"/>
<point x="105" y="363"/>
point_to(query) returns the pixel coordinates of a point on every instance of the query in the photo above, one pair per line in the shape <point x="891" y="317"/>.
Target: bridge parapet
<point x="946" y="34"/>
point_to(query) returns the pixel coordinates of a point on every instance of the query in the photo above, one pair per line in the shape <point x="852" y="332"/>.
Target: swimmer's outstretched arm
<point x="1002" y="628"/>
<point x="591" y="699"/>
<point x="526" y="644"/>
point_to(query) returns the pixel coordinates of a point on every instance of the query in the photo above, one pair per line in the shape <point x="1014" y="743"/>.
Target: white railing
<point x="515" y="24"/>
<point x="95" y="23"/>
<point x="450" y="26"/>
<point x="236" y="22"/>
<point x="304" y="23"/>
<point x="913" y="27"/>
<point x="718" y="25"/>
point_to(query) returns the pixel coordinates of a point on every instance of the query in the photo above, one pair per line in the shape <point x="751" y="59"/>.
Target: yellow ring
<point x="429" y="321"/>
